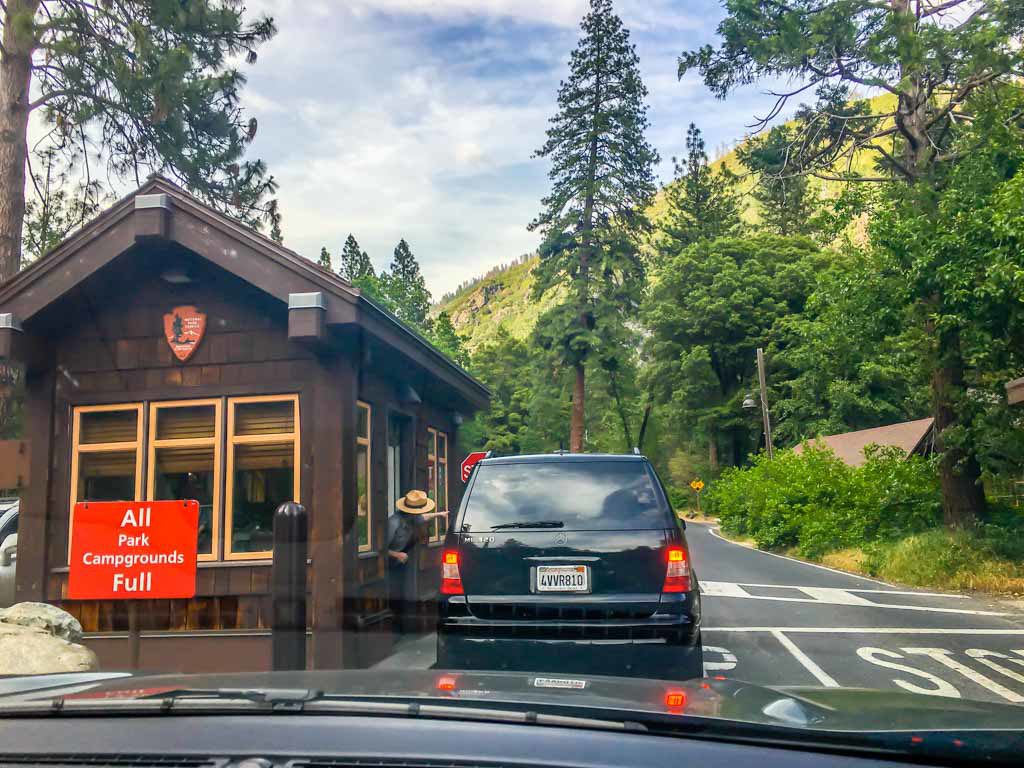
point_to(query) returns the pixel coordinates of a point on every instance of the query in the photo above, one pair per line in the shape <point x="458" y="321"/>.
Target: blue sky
<point x="418" y="118"/>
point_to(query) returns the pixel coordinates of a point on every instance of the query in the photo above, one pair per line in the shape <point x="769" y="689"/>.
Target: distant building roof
<point x="912" y="436"/>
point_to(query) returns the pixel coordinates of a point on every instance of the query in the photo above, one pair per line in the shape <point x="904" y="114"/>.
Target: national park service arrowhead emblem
<point x="184" y="328"/>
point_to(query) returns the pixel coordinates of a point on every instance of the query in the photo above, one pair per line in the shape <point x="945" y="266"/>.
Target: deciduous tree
<point x="932" y="58"/>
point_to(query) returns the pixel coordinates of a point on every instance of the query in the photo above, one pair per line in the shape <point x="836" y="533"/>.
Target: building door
<point x="401" y="578"/>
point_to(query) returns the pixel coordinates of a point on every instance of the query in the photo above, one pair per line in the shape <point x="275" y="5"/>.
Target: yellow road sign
<point x="697" y="485"/>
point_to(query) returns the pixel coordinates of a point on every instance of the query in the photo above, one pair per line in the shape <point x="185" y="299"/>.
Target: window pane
<point x="442" y="496"/>
<point x="363" y="421"/>
<point x="442" y="446"/>
<point x="187" y="473"/>
<point x="432" y="486"/>
<point x="264" y="418"/>
<point x="583" y="496"/>
<point x="363" y="495"/>
<point x="193" y="421"/>
<point x="263" y="479"/>
<point x="109" y="427"/>
<point x="106" y="476"/>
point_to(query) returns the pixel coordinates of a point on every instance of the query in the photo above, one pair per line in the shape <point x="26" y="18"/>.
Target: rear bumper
<point x="662" y="645"/>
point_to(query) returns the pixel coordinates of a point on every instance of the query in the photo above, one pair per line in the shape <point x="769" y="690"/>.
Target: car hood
<point x="826" y="709"/>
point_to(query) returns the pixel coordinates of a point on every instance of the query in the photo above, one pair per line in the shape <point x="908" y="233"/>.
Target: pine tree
<point x="602" y="181"/>
<point x="156" y="85"/>
<point x="444" y="336"/>
<point x="701" y="203"/>
<point x="788" y="204"/>
<point x="324" y="262"/>
<point x="355" y="263"/>
<point x="406" y="289"/>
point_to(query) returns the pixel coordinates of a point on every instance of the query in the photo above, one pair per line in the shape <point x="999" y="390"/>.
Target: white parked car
<point x="8" y="549"/>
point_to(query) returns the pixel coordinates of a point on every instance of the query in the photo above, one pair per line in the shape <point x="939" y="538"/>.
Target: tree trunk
<point x="712" y="451"/>
<point x="963" y="498"/>
<point x="15" y="81"/>
<point x="576" y="425"/>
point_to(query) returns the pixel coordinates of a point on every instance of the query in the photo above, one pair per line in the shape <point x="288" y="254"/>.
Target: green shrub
<point x="817" y="503"/>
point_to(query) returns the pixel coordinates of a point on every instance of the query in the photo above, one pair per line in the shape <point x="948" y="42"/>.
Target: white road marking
<point x="728" y="659"/>
<point x="827" y="596"/>
<point x="723" y="589"/>
<point x="862" y="591"/>
<point x="801" y="562"/>
<point x="870" y="631"/>
<point x="805" y="660"/>
<point x="984" y="657"/>
<point x="834" y="596"/>
<point x="944" y="657"/>
<point x="942" y="688"/>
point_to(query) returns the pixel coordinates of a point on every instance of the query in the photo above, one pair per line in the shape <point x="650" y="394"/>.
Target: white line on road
<point x="822" y="677"/>
<point x="834" y="596"/>
<point x="829" y="597"/>
<point x="723" y="589"/>
<point x="801" y="562"/>
<point x="858" y="590"/>
<point x="943" y="656"/>
<point x="867" y="630"/>
<point x="984" y="656"/>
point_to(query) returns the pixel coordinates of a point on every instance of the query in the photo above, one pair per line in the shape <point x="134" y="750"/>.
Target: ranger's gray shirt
<point x="402" y="531"/>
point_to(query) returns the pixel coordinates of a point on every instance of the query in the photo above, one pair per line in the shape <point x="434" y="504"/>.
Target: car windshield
<point x="598" y="359"/>
<point x="589" y="495"/>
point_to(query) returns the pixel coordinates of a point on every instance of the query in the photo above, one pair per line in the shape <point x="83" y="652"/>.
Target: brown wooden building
<point x="300" y="388"/>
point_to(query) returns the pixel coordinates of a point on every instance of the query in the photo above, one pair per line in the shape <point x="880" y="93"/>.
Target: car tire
<point x="691" y="666"/>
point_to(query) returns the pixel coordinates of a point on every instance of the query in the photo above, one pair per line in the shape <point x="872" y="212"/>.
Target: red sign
<point x="127" y="550"/>
<point x="469" y="462"/>
<point x="184" y="328"/>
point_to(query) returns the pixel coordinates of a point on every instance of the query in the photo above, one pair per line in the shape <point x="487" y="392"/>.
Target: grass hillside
<point x="501" y="297"/>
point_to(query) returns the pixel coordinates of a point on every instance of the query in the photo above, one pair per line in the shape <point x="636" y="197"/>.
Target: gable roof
<point x="910" y="436"/>
<point x="231" y="245"/>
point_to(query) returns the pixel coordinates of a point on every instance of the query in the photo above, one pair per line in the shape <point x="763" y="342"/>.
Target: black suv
<point x="569" y="563"/>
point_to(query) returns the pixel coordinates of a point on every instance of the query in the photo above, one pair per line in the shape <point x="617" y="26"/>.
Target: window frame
<point x="368" y="442"/>
<point x="433" y="439"/>
<point x="152" y="444"/>
<point x="77" y="449"/>
<point x="231" y="441"/>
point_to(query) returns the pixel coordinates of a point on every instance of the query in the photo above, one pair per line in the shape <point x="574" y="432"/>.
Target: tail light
<point x="677" y="570"/>
<point x="451" y="580"/>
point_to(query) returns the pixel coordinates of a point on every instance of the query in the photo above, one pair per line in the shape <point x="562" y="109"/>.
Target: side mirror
<point x="9" y="551"/>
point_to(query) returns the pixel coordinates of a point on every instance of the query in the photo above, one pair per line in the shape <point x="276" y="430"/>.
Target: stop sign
<point x="470" y="461"/>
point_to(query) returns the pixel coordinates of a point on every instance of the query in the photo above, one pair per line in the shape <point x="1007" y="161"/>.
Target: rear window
<point x="591" y="495"/>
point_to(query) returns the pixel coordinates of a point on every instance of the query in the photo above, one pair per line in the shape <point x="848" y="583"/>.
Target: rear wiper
<point x="530" y="524"/>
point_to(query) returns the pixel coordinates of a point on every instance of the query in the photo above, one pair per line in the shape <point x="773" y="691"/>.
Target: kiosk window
<point x="364" y="495"/>
<point x="262" y="471"/>
<point x="437" y="479"/>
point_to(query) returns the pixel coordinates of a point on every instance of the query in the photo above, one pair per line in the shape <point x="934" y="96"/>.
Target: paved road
<point x="778" y="621"/>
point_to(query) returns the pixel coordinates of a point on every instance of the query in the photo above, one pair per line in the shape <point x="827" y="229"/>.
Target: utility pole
<point x="764" y="404"/>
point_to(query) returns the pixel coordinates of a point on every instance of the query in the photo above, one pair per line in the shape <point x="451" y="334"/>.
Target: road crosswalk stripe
<point x="827" y="596"/>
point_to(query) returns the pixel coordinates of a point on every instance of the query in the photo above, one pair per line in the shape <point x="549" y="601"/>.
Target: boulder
<point x="44" y="616"/>
<point x="36" y="638"/>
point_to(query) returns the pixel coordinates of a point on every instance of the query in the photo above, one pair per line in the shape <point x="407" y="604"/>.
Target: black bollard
<point x="288" y="586"/>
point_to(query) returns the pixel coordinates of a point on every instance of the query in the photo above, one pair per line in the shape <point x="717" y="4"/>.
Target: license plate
<point x="563" y="578"/>
<point x="559" y="682"/>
